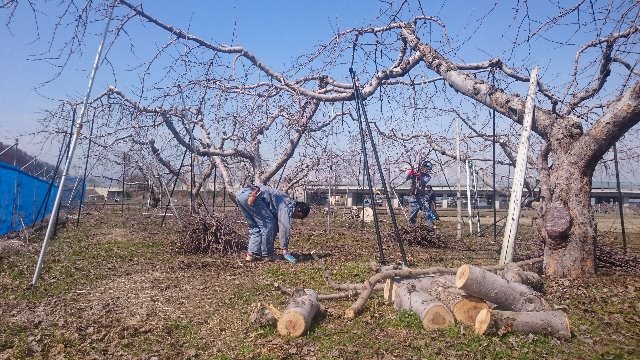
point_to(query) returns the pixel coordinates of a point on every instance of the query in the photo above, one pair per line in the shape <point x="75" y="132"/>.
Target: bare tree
<point x="252" y="118"/>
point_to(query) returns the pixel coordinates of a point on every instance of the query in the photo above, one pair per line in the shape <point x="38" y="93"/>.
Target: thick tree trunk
<point x="297" y="317"/>
<point x="554" y="323"/>
<point x="567" y="225"/>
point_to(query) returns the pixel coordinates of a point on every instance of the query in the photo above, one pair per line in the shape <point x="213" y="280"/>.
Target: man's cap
<point x="427" y="164"/>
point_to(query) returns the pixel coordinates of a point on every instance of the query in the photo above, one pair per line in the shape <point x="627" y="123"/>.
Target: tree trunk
<point x="297" y="317"/>
<point x="432" y="313"/>
<point x="154" y="197"/>
<point x="568" y="227"/>
<point x="554" y="323"/>
<point x="495" y="289"/>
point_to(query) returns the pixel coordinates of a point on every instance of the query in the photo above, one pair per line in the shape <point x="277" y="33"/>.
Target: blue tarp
<point x="22" y="196"/>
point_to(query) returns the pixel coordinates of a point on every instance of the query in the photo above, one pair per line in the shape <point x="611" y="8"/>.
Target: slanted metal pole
<point x="620" y="200"/>
<point x="458" y="198"/>
<point x="124" y="170"/>
<point x="511" y="227"/>
<point x="173" y="208"/>
<point x="8" y="148"/>
<point x="469" y="212"/>
<point x="74" y="140"/>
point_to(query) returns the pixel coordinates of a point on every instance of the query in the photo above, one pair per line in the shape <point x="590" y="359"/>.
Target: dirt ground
<point x="115" y="288"/>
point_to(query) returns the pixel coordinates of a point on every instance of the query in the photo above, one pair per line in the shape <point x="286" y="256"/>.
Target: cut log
<point x="495" y="289"/>
<point x="465" y="308"/>
<point x="432" y="313"/>
<point x="390" y="285"/>
<point x="300" y="311"/>
<point x="554" y="323"/>
<point x="513" y="273"/>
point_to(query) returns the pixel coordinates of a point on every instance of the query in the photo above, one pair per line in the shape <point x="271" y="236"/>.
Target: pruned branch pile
<point x="209" y="234"/>
<point x="421" y="236"/>
<point x="618" y="261"/>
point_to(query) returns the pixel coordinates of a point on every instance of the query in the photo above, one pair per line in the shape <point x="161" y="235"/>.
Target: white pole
<point x="469" y="213"/>
<point x="173" y="208"/>
<point x="513" y="215"/>
<point x="474" y="172"/>
<point x="72" y="147"/>
<point x="7" y="149"/>
<point x="330" y="176"/>
<point x="29" y="163"/>
<point x="458" y="198"/>
<point x="73" y="191"/>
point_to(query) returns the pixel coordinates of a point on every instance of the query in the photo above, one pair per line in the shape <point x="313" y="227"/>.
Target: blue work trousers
<point x="261" y="222"/>
<point x="416" y="204"/>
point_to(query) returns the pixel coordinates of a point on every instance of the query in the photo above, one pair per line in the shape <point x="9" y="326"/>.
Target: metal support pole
<point x="74" y="140"/>
<point x="124" y="170"/>
<point x="620" y="205"/>
<point x="469" y="212"/>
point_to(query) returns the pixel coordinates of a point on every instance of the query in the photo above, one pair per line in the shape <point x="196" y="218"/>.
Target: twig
<point x="333" y="284"/>
<point x="336" y="296"/>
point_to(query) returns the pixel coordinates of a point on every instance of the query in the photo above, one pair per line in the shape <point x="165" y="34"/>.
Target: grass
<point x="113" y="289"/>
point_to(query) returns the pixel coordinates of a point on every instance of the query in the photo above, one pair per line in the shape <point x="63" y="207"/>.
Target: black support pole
<point x="620" y="205"/>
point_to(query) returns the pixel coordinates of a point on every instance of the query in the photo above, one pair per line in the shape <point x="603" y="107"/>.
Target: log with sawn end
<point x="432" y="313"/>
<point x="297" y="317"/>
<point x="555" y="323"/>
<point x="495" y="289"/>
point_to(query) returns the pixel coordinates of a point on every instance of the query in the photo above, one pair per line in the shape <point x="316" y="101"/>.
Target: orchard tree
<point x="419" y="75"/>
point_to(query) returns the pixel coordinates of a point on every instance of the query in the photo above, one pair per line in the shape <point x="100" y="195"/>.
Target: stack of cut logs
<point x="508" y="301"/>
<point x="491" y="303"/>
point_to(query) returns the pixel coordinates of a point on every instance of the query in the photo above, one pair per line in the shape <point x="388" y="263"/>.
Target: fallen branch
<point x="342" y="295"/>
<point x="465" y="308"/>
<point x="514" y="274"/>
<point x="264" y="315"/>
<point x="333" y="284"/>
<point x="371" y="283"/>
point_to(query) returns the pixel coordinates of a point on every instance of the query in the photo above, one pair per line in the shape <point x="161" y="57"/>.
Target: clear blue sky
<point x="275" y="30"/>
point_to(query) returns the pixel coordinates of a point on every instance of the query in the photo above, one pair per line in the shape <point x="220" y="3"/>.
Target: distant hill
<point x="20" y="158"/>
